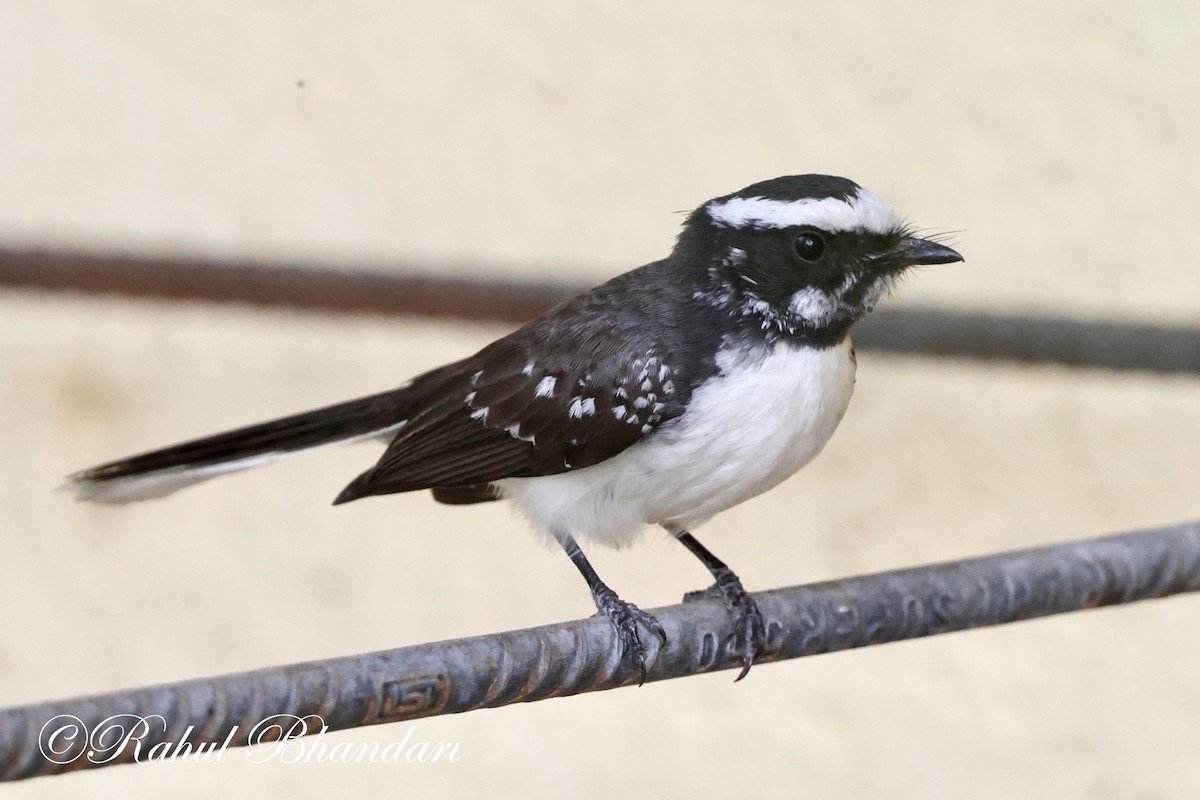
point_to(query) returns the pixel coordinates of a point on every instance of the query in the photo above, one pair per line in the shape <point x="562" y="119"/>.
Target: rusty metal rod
<point x="573" y="657"/>
<point x="420" y="289"/>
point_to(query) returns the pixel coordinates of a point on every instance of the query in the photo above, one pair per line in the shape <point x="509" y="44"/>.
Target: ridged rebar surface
<point x="574" y="657"/>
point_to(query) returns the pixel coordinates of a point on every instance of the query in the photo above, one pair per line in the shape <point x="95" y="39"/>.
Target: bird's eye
<point x="809" y="245"/>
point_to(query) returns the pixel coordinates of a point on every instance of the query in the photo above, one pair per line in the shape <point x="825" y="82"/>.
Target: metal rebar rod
<point x="573" y="657"/>
<point x="420" y="290"/>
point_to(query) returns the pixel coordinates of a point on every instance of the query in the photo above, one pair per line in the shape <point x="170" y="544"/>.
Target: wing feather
<point x="565" y="393"/>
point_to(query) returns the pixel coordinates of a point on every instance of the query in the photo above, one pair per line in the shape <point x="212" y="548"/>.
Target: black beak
<point x="913" y="251"/>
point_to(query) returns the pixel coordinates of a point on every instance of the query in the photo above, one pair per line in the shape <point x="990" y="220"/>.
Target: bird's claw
<point x="749" y="628"/>
<point x="625" y="617"/>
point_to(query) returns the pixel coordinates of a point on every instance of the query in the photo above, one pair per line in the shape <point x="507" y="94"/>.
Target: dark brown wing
<point x="545" y="400"/>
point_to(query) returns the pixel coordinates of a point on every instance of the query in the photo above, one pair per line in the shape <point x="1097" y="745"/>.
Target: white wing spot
<point x="641" y="402"/>
<point x="475" y="377"/>
<point x="515" y="432"/>
<point x="668" y="387"/>
<point x="470" y="398"/>
<point x="545" y="387"/>
<point x="647" y="385"/>
<point x="619" y="412"/>
<point x="581" y="407"/>
<point x="528" y="368"/>
<point x="480" y="415"/>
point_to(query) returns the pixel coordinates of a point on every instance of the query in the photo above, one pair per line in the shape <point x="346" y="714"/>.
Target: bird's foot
<point x="749" y="628"/>
<point x="625" y="618"/>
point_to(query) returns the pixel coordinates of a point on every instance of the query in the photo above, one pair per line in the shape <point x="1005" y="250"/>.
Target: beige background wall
<point x="557" y="140"/>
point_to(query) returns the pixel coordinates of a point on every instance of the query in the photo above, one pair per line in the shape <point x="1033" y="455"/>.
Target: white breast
<point x="766" y="415"/>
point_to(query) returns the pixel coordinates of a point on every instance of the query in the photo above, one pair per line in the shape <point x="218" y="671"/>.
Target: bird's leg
<point x="623" y="616"/>
<point x="748" y="626"/>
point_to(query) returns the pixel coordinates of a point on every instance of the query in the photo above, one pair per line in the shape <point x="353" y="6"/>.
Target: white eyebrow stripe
<point x="864" y="211"/>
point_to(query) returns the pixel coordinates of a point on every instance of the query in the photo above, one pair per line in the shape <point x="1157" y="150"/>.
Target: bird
<point x="662" y="397"/>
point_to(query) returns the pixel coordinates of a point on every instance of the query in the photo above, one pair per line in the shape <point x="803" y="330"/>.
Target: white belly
<point x="744" y="431"/>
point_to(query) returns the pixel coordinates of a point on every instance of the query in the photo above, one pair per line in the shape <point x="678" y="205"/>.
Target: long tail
<point x="161" y="472"/>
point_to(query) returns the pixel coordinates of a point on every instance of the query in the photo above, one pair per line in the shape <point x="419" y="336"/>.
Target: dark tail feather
<point x="161" y="472"/>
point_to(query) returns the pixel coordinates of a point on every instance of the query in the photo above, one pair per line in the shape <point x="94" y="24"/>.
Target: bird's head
<point x="802" y="255"/>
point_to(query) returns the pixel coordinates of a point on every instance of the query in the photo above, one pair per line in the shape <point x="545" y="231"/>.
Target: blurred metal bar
<point x="1097" y="344"/>
<point x="415" y="290"/>
<point x="300" y="287"/>
<point x="574" y="657"/>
